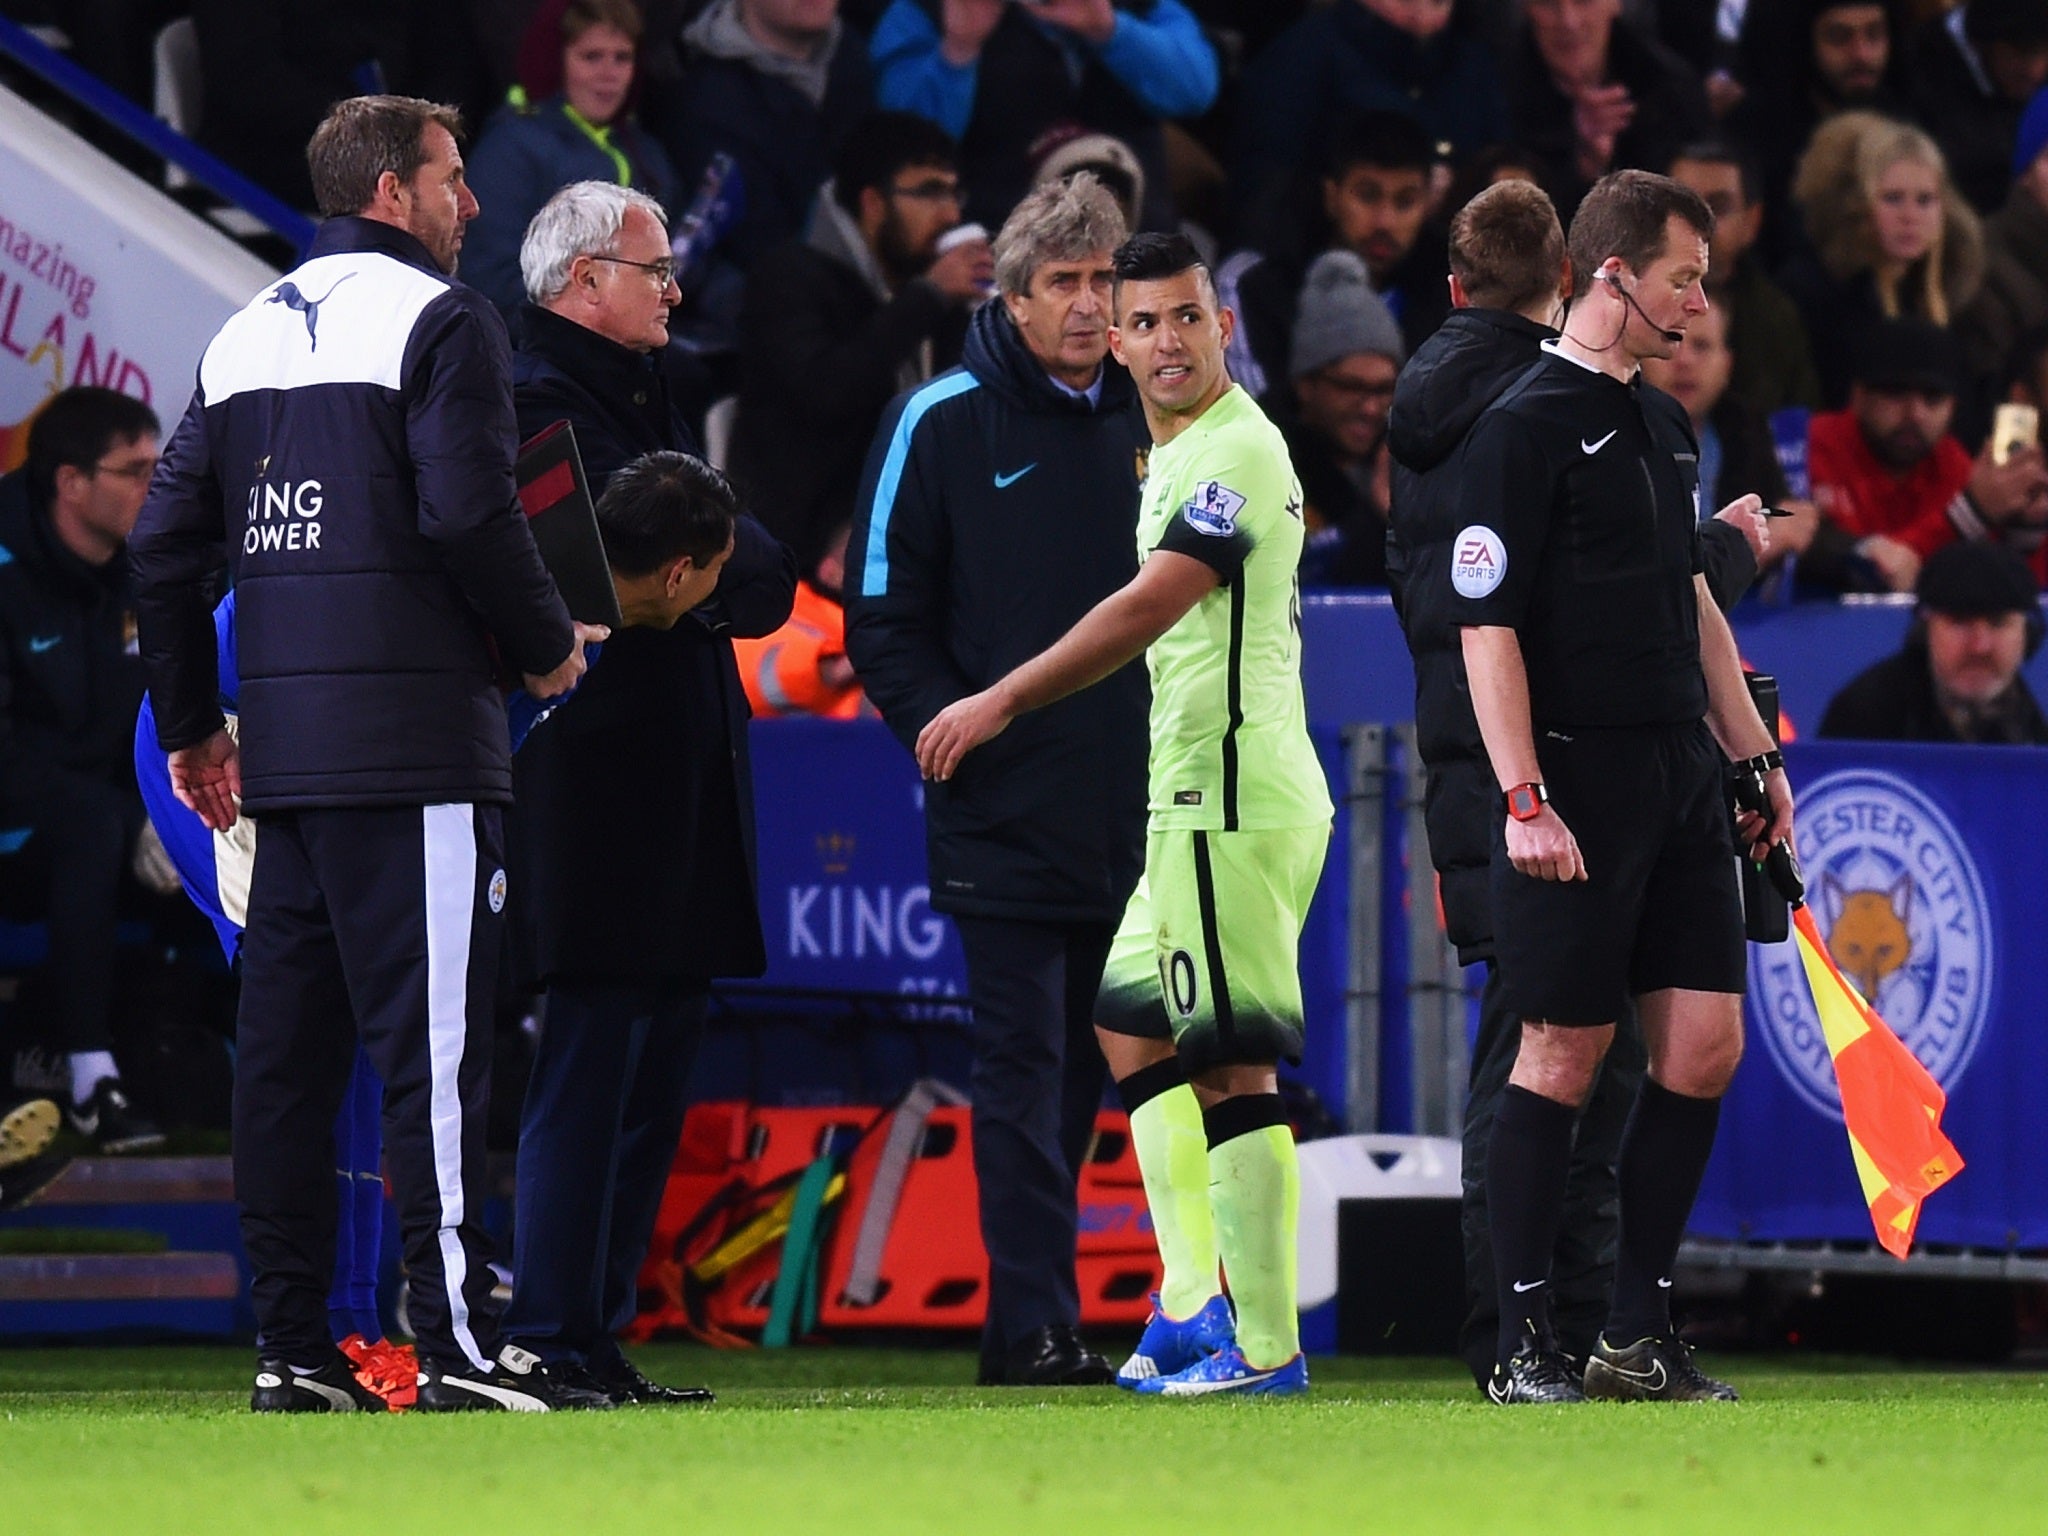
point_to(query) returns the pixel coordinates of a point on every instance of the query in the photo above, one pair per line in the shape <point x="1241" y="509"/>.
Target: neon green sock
<point x="1255" y="1191"/>
<point x="1173" y="1155"/>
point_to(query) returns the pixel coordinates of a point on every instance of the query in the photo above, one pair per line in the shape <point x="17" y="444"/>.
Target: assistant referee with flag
<point x="1603" y="677"/>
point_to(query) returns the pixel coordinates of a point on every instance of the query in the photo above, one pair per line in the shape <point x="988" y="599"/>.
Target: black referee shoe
<point x="331" y="1389"/>
<point x="623" y="1382"/>
<point x="1538" y="1372"/>
<point x="1651" y="1371"/>
<point x="519" y="1381"/>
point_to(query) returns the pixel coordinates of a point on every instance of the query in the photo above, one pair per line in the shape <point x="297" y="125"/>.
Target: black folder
<point x="556" y="498"/>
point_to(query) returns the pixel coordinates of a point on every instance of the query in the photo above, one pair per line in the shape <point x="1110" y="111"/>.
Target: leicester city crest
<point x="1899" y="901"/>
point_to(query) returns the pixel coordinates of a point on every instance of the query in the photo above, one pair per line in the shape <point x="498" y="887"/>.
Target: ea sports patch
<point x="1213" y="509"/>
<point x="1479" y="561"/>
<point x="496" y="891"/>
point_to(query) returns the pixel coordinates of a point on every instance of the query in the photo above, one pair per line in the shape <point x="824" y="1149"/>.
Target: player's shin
<point x="1173" y="1156"/>
<point x="1255" y="1191"/>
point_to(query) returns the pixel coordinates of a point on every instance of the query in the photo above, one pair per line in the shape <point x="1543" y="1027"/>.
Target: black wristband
<point x="1763" y="763"/>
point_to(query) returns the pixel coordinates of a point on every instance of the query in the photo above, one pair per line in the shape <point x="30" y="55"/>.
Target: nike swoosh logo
<point x="1526" y="1285"/>
<point x="1004" y="482"/>
<point x="1596" y="447"/>
<point x="41" y="643"/>
<point x="1663" y="1285"/>
<point x="1651" y="1380"/>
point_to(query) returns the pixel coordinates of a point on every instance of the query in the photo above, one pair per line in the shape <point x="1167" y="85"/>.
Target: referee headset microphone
<point x="1613" y="280"/>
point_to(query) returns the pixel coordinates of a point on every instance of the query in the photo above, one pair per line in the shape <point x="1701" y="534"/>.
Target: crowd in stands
<point x="824" y="175"/>
<point x="1872" y="164"/>
<point x="1878" y="170"/>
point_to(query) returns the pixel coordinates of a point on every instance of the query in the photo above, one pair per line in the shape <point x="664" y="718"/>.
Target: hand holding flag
<point x="1891" y="1105"/>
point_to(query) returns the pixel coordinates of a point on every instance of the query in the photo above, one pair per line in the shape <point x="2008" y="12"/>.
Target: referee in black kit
<point x="1603" y="677"/>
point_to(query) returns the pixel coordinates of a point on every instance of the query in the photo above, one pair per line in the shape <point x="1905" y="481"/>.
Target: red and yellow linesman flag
<point x="1891" y="1106"/>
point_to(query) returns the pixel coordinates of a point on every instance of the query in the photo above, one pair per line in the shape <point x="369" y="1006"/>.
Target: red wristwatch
<point x="1526" y="801"/>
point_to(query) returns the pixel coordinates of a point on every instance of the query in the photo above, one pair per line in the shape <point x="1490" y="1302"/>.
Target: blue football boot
<point x="1228" y="1371"/>
<point x="1169" y="1346"/>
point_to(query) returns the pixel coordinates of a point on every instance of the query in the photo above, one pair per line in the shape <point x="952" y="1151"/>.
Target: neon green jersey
<point x="1230" y="748"/>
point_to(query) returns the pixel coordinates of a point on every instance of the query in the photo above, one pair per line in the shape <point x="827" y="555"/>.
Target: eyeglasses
<point x="140" y="470"/>
<point x="934" y="191"/>
<point x="663" y="271"/>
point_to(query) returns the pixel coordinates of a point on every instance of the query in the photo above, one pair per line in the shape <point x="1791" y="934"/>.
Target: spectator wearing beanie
<point x="1894" y="485"/>
<point x="1346" y="350"/>
<point x="1957" y="678"/>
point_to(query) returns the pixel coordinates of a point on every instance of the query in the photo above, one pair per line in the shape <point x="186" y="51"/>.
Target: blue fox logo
<point x="289" y="296"/>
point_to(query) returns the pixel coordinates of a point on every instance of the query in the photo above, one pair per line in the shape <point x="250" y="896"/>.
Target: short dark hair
<point x="882" y="144"/>
<point x="1507" y="247"/>
<point x="1625" y="215"/>
<point x="75" y="427"/>
<point x="1155" y="254"/>
<point x="1391" y="141"/>
<point x="365" y="136"/>
<point x="1722" y="152"/>
<point x="663" y="506"/>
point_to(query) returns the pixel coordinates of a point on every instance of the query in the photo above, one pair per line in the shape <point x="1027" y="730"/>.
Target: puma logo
<point x="289" y="296"/>
<point x="1868" y="937"/>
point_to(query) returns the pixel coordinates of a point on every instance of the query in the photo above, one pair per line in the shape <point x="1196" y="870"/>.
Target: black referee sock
<point x="1527" y="1158"/>
<point x="1664" y="1154"/>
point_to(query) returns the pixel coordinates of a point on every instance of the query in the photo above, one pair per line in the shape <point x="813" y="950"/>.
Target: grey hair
<point x="583" y="219"/>
<point x="1060" y="221"/>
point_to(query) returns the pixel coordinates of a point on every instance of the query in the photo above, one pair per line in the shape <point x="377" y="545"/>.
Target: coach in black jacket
<point x="1507" y="266"/>
<point x="633" y="831"/>
<point x="351" y="443"/>
<point x="1000" y="503"/>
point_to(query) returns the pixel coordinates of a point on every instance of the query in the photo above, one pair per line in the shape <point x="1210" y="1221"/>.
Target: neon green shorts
<point x="1206" y="954"/>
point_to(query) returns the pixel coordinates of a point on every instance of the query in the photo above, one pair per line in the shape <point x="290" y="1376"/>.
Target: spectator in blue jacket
<point x="1413" y="56"/>
<point x="999" y="77"/>
<point x="586" y="133"/>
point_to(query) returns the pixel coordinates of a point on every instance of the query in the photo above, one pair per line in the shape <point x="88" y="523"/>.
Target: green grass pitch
<point x="137" y="1441"/>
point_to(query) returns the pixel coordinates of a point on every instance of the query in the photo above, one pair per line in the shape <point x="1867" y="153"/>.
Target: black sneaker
<point x="622" y="1381"/>
<point x="1538" y="1372"/>
<point x="112" y="1123"/>
<point x="519" y="1381"/>
<point x="1652" y="1370"/>
<point x="27" y="1127"/>
<point x="331" y="1389"/>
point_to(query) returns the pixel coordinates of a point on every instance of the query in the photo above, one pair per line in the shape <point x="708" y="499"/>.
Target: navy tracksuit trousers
<point x="388" y="920"/>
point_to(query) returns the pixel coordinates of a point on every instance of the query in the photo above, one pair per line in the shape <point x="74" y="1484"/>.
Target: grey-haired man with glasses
<point x="631" y="835"/>
<point x="592" y="342"/>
